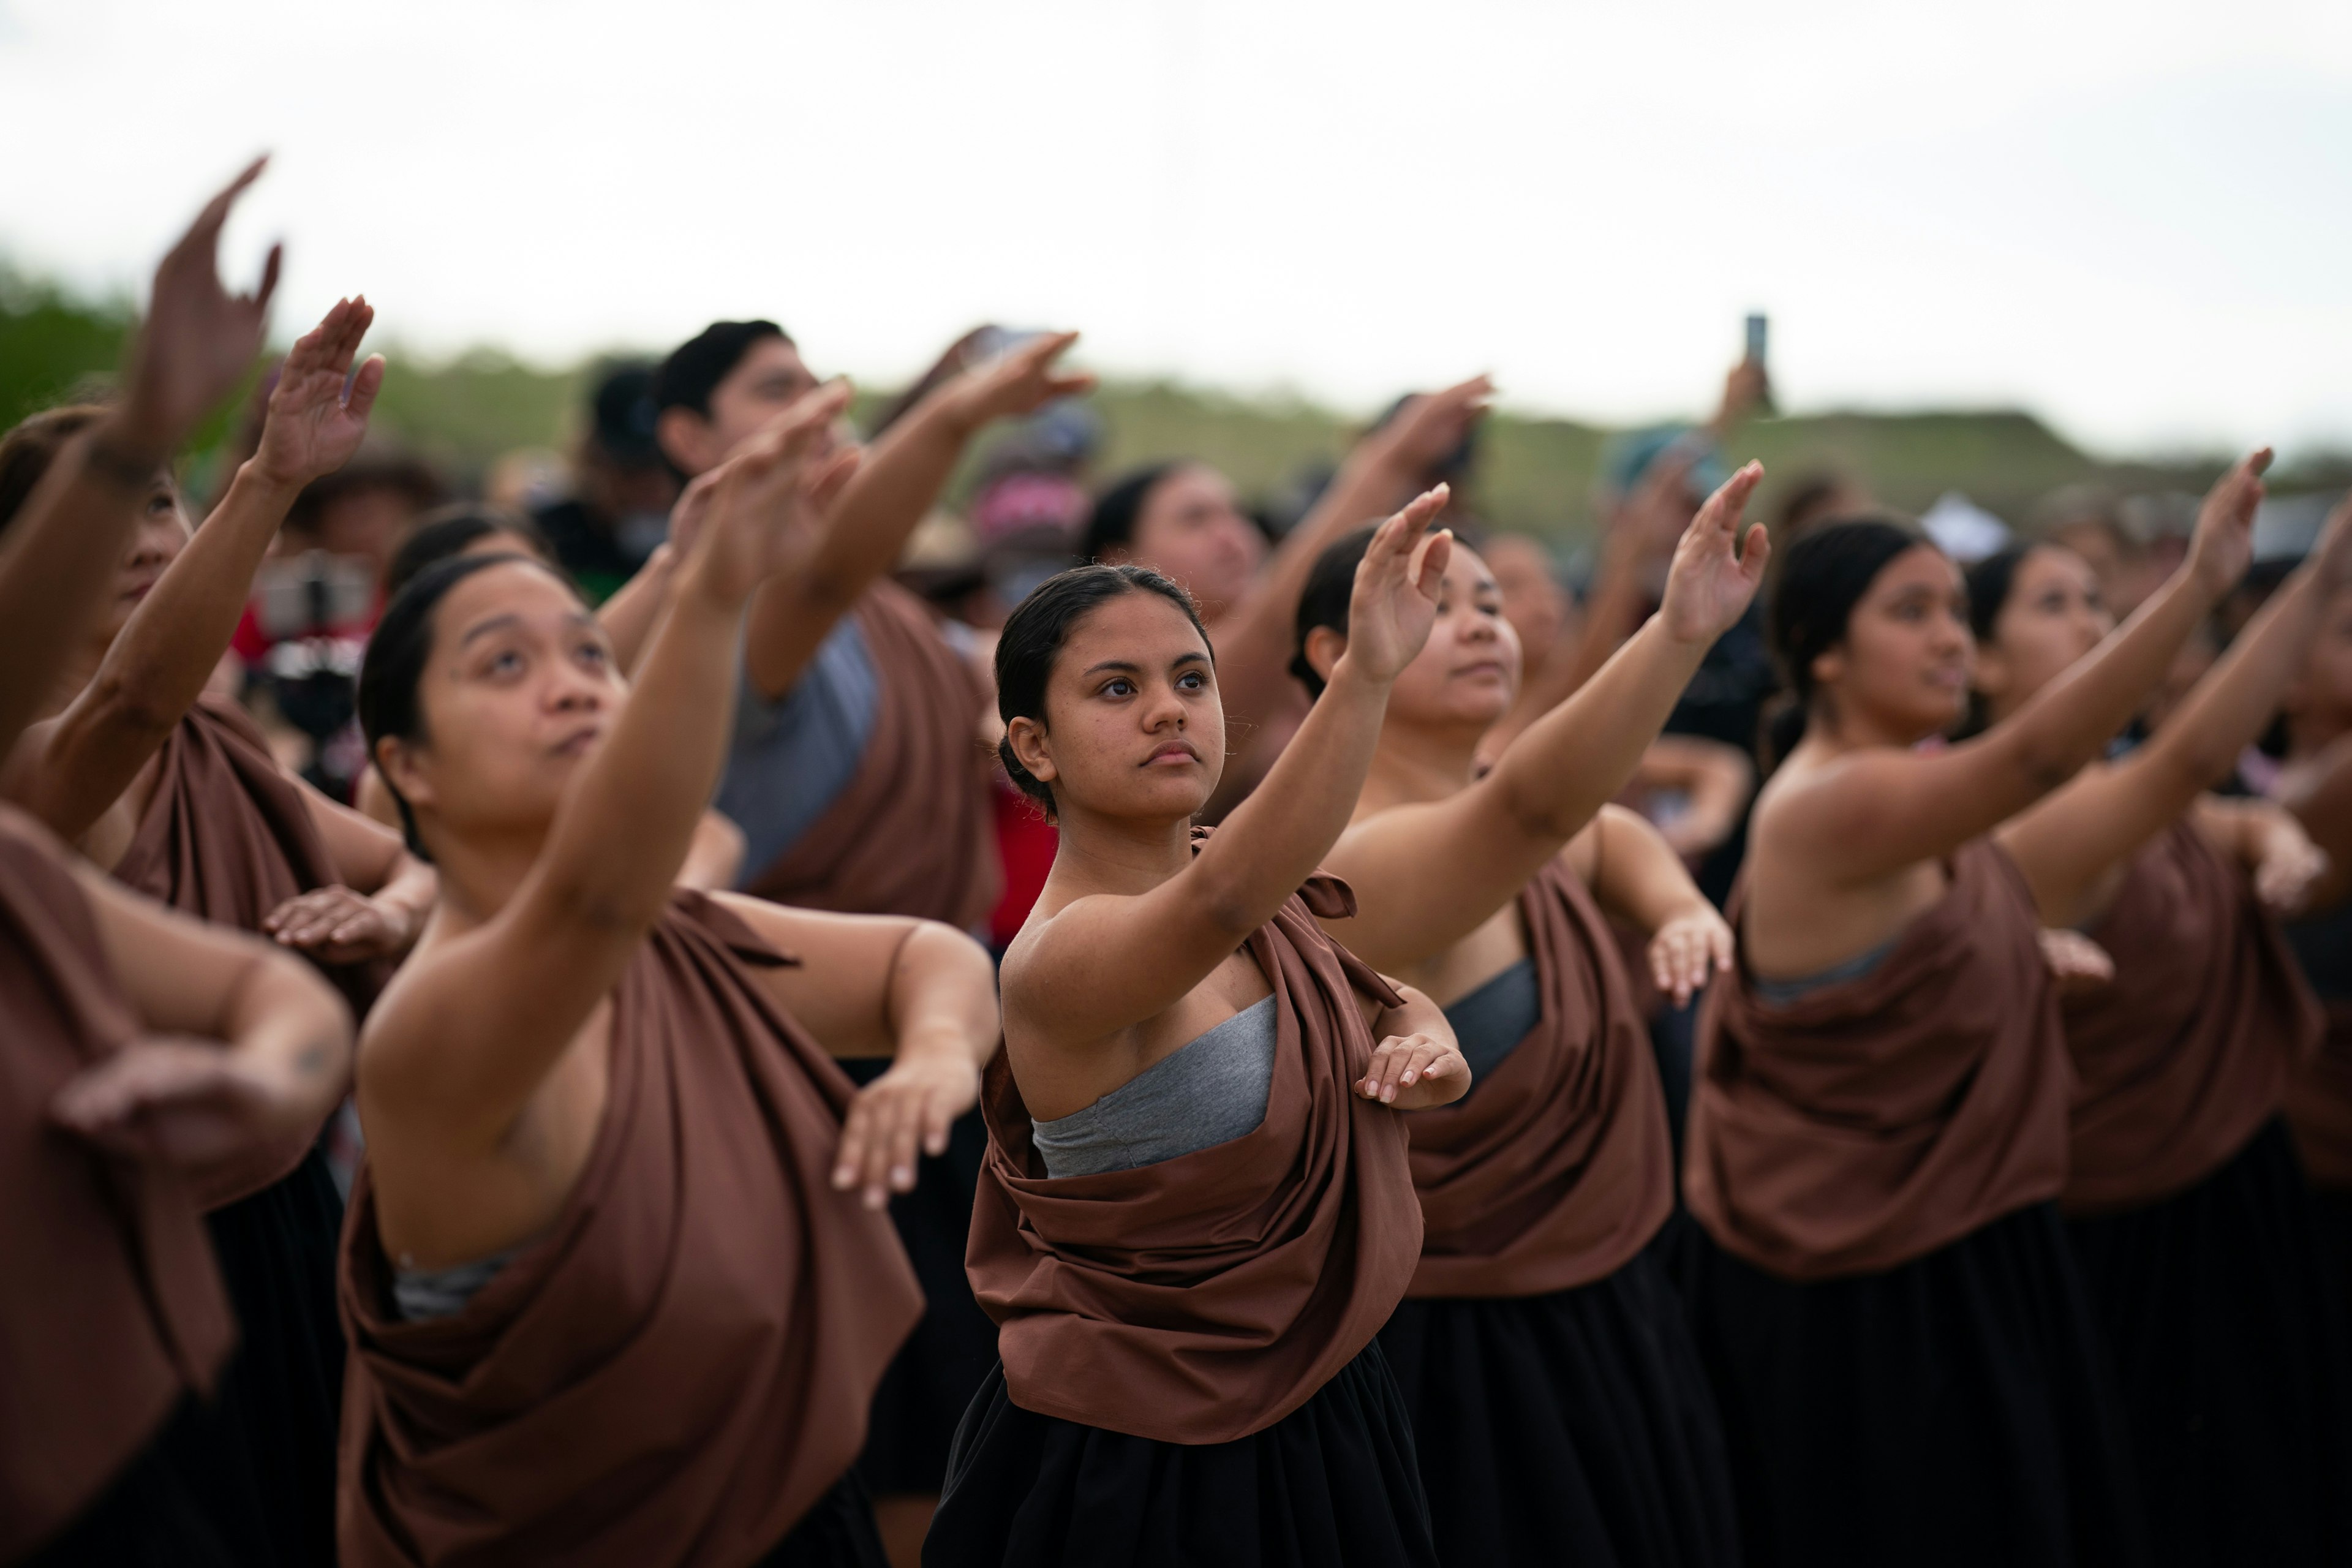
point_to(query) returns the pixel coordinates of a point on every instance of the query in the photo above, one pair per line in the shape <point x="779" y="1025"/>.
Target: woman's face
<point x="155" y="542"/>
<point x="1468" y="673"/>
<point x="1533" y="601"/>
<point x="519" y="689"/>
<point x="2054" y="617"/>
<point x="1905" y="664"/>
<point x="1133" y="725"/>
<point x="1191" y="531"/>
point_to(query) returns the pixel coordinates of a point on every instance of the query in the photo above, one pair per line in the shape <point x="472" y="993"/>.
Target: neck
<point x="1412" y="763"/>
<point x="480" y="875"/>
<point x="1118" y="855"/>
<point x="1835" y="728"/>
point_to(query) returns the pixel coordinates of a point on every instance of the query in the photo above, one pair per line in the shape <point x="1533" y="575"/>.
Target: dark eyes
<point x="1119" y="687"/>
<point x="1190" y="680"/>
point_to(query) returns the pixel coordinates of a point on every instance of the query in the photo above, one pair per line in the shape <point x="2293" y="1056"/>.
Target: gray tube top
<point x="1490" y="1022"/>
<point x="1784" y="992"/>
<point x="1209" y="1090"/>
<point x="423" y="1294"/>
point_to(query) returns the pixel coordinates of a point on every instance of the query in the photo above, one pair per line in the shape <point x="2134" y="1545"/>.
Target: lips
<point x="578" y="741"/>
<point x="1173" y="751"/>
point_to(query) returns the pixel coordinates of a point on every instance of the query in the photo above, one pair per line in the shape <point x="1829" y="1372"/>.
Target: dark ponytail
<point x="396" y="655"/>
<point x="1330" y="588"/>
<point x="1033" y="635"/>
<point x="1821" y="578"/>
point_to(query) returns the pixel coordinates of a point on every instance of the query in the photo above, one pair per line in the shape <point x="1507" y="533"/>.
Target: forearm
<point x="942" y="1001"/>
<point x="2238" y="697"/>
<point x="56" y="561"/>
<point x="287" y="1029"/>
<point x="1274" y="840"/>
<point x="1637" y="876"/>
<point x="410" y="896"/>
<point x="716" y="855"/>
<point x="630" y="616"/>
<point x="2065" y="724"/>
<point x="1610" y="614"/>
<point x="1556" y="775"/>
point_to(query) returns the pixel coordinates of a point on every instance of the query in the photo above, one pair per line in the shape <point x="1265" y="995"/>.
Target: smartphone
<point x="1757" y="325"/>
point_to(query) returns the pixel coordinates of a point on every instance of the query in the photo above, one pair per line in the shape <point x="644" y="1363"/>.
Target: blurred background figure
<point x="621" y="488"/>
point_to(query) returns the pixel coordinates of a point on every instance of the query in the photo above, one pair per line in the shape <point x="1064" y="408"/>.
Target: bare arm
<point x="381" y="901"/>
<point x="1105" y="962"/>
<point x="63" y="546"/>
<point x="1428" y="874"/>
<point x="1416" y="1061"/>
<point x="465" y="1035"/>
<point x="1870" y="814"/>
<point x="916" y="991"/>
<point x="629" y="615"/>
<point x="231" y="1121"/>
<point x="1716" y="780"/>
<point x="900" y="481"/>
<point x="1636" y="876"/>
<point x="2066" y="843"/>
<point x="2319" y="793"/>
<point x="157" y="669"/>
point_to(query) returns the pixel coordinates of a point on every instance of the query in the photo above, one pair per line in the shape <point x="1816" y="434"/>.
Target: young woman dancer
<point x="1196" y="1212"/>
<point x="177" y="794"/>
<point x="109" y="1010"/>
<point x="607" y="1300"/>
<point x="1907" y="1362"/>
<point x="1557" y="1405"/>
<point x="2195" y="1230"/>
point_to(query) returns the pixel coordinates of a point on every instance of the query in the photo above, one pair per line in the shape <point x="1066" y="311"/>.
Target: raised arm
<point x="1428" y="874"/>
<point x="1870" y="814"/>
<point x="158" y="666"/>
<point x="64" y="546"/>
<point x="899" y="482"/>
<point x="1109" y="960"/>
<point x="470" y="1028"/>
<point x="246" y="1053"/>
<point x="2067" y="843"/>
<point x="1637" y="877"/>
<point x="1253" y="643"/>
<point x="919" y="992"/>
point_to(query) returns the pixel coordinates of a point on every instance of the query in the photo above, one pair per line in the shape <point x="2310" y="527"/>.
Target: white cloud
<point x="2129" y="218"/>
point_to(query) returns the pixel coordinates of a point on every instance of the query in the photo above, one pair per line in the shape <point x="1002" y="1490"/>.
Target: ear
<point x="1027" y="738"/>
<point x="686" y="439"/>
<point x="1324" y="646"/>
<point x="396" y="759"/>
<point x="1829" y="668"/>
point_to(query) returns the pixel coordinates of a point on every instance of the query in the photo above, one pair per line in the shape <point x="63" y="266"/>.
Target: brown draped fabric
<point x="114" y="1310"/>
<point x="682" y="1364"/>
<point x="1556" y="1167"/>
<point x="2186" y="1056"/>
<point x="1202" y="1298"/>
<point x="226" y="836"/>
<point x="2319" y="1103"/>
<point x="1879" y="1119"/>
<point x="912" y="833"/>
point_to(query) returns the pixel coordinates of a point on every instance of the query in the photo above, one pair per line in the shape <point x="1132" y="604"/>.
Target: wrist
<point x="1349" y="677"/>
<point x="268" y="482"/>
<point x="938" y="1042"/>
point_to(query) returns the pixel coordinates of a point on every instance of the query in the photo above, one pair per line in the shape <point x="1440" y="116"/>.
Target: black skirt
<point x="260" y="1456"/>
<point x="146" y="1518"/>
<point x="1959" y="1409"/>
<point x="1573" y="1427"/>
<point x="930" y="1383"/>
<point x="838" y="1532"/>
<point x="1331" y="1485"/>
<point x="2230" y="1354"/>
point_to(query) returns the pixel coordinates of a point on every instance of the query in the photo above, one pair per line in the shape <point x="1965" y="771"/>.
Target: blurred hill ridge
<point x="1536" y="473"/>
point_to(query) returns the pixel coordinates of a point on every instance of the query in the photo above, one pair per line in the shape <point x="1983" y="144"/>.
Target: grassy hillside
<point x="1536" y="474"/>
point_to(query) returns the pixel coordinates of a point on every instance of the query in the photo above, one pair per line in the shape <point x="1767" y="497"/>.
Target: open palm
<point x="2223" y="545"/>
<point x="198" y="340"/>
<point x="318" y="410"/>
<point x="766" y="514"/>
<point x="1394" y="601"/>
<point x="1715" y="574"/>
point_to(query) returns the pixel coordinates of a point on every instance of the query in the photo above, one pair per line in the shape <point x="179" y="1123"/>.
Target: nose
<point x="1165" y="710"/>
<point x="573" y="690"/>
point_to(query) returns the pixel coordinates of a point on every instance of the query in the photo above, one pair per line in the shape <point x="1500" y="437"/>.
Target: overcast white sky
<point x="2134" y="219"/>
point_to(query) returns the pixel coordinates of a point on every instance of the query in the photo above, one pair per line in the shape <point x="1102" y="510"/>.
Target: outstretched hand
<point x="318" y="410"/>
<point x="198" y="340"/>
<point x="2289" y="865"/>
<point x="765" y="507"/>
<point x="192" y="1106"/>
<point x="2223" y="545"/>
<point x="1016" y="383"/>
<point x="1688" y="950"/>
<point x="1394" y="601"/>
<point x="1716" y="573"/>
<point x="2331" y="553"/>
<point x="341" y="925"/>
<point x="2077" y="964"/>
<point x="1432" y="426"/>
<point x="908" y="1107"/>
<point x="1413" y="1072"/>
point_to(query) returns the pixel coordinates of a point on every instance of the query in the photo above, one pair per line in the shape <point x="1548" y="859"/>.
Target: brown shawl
<point x="1202" y="1298"/>
<point x="226" y="836"/>
<point x="682" y="1365"/>
<point x="1879" y="1119"/>
<point x="912" y="834"/>
<point x="1556" y="1168"/>
<point x="114" y="1310"/>
<point x="2186" y="1056"/>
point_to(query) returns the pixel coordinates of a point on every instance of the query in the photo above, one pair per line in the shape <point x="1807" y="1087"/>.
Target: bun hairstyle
<point x="1111" y="524"/>
<point x="1330" y="588"/>
<point x="396" y="657"/>
<point x="1822" y="577"/>
<point x="1033" y="638"/>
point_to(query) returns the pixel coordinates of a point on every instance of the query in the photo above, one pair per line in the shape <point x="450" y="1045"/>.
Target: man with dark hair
<point x="618" y="511"/>
<point x="861" y="784"/>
